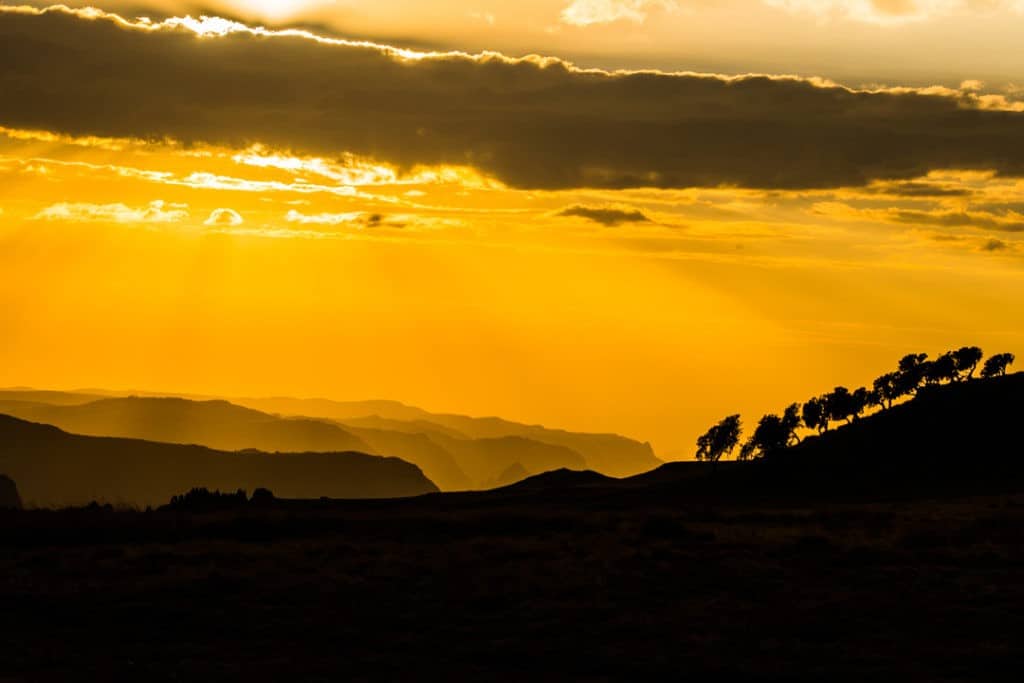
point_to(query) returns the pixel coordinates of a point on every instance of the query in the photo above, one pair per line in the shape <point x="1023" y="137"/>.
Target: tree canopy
<point x="996" y="365"/>
<point x="776" y="432"/>
<point x="720" y="440"/>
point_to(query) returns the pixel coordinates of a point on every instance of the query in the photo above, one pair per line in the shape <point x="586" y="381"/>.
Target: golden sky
<point x="199" y="206"/>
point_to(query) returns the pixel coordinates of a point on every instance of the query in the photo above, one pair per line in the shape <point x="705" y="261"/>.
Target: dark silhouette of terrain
<point x="948" y="436"/>
<point x="9" y="498"/>
<point x="889" y="548"/>
<point x="449" y="457"/>
<point x="54" y="468"/>
<point x="955" y="438"/>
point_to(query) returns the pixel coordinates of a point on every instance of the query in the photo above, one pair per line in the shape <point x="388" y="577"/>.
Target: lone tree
<point x="720" y="440"/>
<point x="996" y="365"/>
<point x="967" y="359"/>
<point x="814" y="415"/>
<point x="773" y="433"/>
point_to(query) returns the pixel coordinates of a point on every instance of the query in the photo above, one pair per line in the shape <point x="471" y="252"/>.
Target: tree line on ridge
<point x="776" y="432"/>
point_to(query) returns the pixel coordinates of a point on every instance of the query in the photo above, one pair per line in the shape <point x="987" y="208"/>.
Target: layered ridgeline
<point x="455" y="452"/>
<point x="54" y="468"/>
<point x="610" y="454"/>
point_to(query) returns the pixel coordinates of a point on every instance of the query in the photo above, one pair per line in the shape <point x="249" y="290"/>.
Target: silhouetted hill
<point x="956" y="438"/>
<point x="607" y="453"/>
<point x="949" y="436"/>
<point x="559" y="480"/>
<point x="216" y="424"/>
<point x="54" y="468"/>
<point x="9" y="497"/>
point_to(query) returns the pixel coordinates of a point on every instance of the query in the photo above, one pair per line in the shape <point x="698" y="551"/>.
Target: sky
<point x="614" y="216"/>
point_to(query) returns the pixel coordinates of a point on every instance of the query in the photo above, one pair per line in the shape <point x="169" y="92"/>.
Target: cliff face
<point x="54" y="468"/>
<point x="9" y="494"/>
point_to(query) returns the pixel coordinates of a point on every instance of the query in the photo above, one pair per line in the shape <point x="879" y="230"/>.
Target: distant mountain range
<point x="53" y="468"/>
<point x="959" y="438"/>
<point x="610" y="454"/>
<point x="454" y="451"/>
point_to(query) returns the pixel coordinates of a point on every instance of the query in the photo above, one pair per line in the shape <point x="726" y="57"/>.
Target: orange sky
<point x="249" y="268"/>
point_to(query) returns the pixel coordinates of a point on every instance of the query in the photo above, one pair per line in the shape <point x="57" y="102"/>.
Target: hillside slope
<point x="956" y="439"/>
<point x="54" y="468"/>
<point x="948" y="436"/>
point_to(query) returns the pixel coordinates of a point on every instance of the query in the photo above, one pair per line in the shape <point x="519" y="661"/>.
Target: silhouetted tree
<point x="815" y="415"/>
<point x="942" y="369"/>
<point x="720" y="440"/>
<point x="791" y="422"/>
<point x="859" y="402"/>
<point x="840" y="404"/>
<point x="886" y="390"/>
<point x="996" y="365"/>
<point x="966" y="359"/>
<point x="911" y="373"/>
<point x="773" y="433"/>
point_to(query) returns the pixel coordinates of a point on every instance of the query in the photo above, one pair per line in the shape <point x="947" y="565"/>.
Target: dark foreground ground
<point x="516" y="587"/>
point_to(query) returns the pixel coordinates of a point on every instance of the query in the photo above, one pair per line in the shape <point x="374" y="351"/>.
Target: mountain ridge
<point x="54" y="468"/>
<point x="466" y="453"/>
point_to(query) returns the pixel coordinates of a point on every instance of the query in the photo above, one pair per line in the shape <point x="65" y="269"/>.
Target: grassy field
<point x="486" y="587"/>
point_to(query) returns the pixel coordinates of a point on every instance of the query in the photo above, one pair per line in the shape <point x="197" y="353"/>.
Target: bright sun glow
<point x="278" y="9"/>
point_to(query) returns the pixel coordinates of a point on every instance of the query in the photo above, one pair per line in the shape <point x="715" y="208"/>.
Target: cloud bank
<point x="530" y="123"/>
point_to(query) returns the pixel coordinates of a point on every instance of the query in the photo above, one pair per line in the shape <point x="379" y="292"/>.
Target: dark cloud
<point x="530" y="123"/>
<point x="952" y="219"/>
<point x="605" y="215"/>
<point x="995" y="245"/>
<point x="919" y="189"/>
